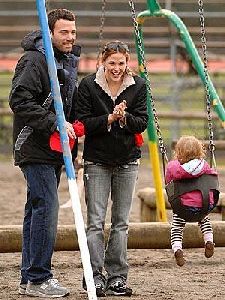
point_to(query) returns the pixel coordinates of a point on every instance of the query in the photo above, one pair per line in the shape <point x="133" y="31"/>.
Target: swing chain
<point x="101" y="29"/>
<point x="47" y="5"/>
<point x="207" y="93"/>
<point x="148" y="84"/>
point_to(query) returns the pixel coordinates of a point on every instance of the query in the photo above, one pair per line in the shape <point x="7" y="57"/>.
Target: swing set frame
<point x="212" y="98"/>
<point x="153" y="129"/>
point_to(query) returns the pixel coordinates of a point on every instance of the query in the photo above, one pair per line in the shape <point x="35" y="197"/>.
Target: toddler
<point x="189" y="163"/>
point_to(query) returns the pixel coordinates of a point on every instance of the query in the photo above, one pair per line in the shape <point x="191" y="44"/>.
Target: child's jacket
<point x="193" y="168"/>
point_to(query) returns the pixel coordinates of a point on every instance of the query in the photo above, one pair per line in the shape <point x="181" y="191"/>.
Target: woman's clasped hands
<point x="118" y="112"/>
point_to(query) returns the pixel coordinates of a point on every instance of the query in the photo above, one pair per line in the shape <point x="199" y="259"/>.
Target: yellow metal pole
<point x="160" y="202"/>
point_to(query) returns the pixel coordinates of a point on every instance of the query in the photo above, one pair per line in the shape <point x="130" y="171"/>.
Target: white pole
<point x="82" y="239"/>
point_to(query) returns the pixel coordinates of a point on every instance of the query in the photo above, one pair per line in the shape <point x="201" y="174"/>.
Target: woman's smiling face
<point x="115" y="67"/>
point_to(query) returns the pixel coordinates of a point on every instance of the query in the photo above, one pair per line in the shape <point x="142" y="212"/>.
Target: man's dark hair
<point x="57" y="14"/>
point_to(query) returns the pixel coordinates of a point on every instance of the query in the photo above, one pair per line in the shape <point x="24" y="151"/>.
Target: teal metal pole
<point x="156" y="11"/>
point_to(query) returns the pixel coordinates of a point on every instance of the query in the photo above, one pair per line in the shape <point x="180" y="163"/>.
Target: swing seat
<point x="204" y="183"/>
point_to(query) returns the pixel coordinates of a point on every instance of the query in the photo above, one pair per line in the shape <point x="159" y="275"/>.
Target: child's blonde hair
<point x="188" y="148"/>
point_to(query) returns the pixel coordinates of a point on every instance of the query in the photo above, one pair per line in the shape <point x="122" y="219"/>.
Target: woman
<point x="112" y="106"/>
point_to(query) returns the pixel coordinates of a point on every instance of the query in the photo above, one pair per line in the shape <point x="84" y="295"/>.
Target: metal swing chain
<point x="47" y="5"/>
<point x="101" y="29"/>
<point x="207" y="93"/>
<point x="156" y="119"/>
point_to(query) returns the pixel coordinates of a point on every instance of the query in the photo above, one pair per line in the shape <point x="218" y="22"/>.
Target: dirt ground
<point x="153" y="273"/>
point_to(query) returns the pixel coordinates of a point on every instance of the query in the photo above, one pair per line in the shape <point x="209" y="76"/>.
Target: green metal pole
<point x="152" y="138"/>
<point x="153" y="6"/>
<point x="156" y="11"/>
<point x="150" y="129"/>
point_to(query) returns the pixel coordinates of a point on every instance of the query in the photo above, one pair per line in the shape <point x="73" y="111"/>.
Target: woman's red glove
<point x="55" y="142"/>
<point x="139" y="141"/>
<point x="78" y="128"/>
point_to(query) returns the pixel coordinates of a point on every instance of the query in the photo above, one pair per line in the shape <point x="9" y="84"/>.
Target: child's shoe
<point x="209" y="249"/>
<point x="179" y="256"/>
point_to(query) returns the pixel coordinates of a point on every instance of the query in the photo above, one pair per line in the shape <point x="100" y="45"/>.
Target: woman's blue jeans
<point x="40" y="221"/>
<point x="100" y="181"/>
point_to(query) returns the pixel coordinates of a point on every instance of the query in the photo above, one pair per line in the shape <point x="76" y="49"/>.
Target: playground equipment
<point x="154" y="10"/>
<point x="147" y="197"/>
<point x="85" y="256"/>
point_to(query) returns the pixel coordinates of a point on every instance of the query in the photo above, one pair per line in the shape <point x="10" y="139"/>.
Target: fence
<point x="179" y="103"/>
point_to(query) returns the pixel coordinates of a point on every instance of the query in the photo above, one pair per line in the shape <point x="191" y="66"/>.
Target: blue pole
<point x="61" y="121"/>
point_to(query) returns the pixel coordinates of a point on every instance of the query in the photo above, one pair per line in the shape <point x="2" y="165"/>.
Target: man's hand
<point x="70" y="131"/>
<point x="77" y="130"/>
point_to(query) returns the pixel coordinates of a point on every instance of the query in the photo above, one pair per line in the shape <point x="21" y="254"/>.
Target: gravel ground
<point x="153" y="273"/>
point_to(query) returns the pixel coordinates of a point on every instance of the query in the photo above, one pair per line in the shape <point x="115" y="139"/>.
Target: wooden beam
<point x="146" y="235"/>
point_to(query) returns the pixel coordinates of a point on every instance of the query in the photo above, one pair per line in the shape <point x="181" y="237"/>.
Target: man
<point x="34" y="123"/>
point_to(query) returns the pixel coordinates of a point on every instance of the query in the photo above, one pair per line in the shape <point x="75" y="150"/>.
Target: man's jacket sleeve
<point x="26" y="99"/>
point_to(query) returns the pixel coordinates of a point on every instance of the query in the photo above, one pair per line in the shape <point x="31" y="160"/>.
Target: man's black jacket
<point x="32" y="103"/>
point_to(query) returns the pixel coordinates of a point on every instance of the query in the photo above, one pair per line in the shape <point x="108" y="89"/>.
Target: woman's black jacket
<point x="115" y="145"/>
